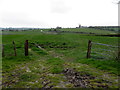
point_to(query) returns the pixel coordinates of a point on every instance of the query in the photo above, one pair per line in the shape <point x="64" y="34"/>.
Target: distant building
<point x="79" y="26"/>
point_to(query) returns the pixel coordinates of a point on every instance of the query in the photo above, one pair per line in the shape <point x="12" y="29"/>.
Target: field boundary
<point x="90" y="45"/>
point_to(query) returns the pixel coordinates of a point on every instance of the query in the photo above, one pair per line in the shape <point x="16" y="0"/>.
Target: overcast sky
<point x="53" y="13"/>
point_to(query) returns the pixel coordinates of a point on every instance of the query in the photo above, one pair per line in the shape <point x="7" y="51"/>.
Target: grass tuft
<point x="56" y="65"/>
<point x="108" y="65"/>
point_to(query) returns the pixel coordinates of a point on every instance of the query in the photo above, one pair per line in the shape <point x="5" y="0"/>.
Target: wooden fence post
<point x="89" y="49"/>
<point x="3" y="51"/>
<point x="26" y="48"/>
<point x="15" y="54"/>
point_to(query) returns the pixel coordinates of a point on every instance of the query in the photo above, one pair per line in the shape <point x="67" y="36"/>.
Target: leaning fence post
<point x="89" y="49"/>
<point x="3" y="51"/>
<point x="15" y="54"/>
<point x="26" y="48"/>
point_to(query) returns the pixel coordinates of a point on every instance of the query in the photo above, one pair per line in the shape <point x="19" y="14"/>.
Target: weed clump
<point x="56" y="65"/>
<point x="27" y="77"/>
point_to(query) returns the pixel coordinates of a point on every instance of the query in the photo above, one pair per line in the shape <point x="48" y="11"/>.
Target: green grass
<point x="39" y="51"/>
<point x="28" y="77"/>
<point x="77" y="41"/>
<point x="72" y="48"/>
<point x="37" y="32"/>
<point x="56" y="65"/>
<point x="107" y="65"/>
<point x="88" y="30"/>
<point x="10" y="63"/>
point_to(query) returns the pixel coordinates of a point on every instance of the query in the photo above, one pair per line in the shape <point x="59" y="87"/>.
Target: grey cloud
<point x="14" y="18"/>
<point x="19" y="19"/>
<point x="59" y="6"/>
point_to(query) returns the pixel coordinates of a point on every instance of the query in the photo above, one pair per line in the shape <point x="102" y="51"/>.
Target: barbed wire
<point x="106" y="45"/>
<point x="102" y="54"/>
<point x="99" y="49"/>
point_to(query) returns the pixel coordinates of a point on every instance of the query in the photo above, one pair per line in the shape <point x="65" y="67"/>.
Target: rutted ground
<point x="34" y="74"/>
<point x="38" y="74"/>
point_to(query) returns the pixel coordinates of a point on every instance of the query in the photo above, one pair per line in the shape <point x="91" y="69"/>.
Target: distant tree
<point x="58" y="27"/>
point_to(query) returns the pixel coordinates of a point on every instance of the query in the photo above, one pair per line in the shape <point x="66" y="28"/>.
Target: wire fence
<point x="104" y="51"/>
<point x="10" y="49"/>
<point x="106" y="45"/>
<point x="94" y="50"/>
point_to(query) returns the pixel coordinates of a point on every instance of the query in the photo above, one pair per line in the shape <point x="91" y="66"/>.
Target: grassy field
<point x="44" y="67"/>
<point x="95" y="31"/>
<point x="85" y="30"/>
